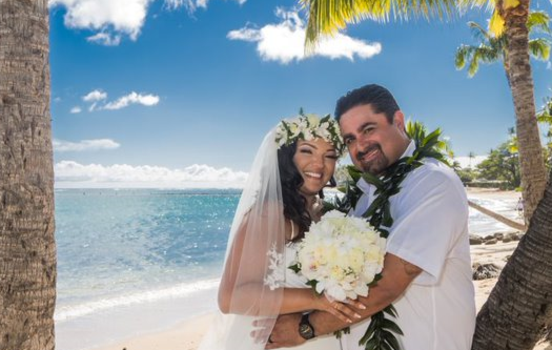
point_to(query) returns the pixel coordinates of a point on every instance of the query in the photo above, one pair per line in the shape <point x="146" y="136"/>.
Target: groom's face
<point x="372" y="141"/>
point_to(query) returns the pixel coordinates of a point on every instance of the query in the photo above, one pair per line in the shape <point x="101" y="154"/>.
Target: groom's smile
<point x="373" y="141"/>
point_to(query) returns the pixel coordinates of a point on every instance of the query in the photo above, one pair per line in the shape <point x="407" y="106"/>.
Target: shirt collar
<point x="365" y="186"/>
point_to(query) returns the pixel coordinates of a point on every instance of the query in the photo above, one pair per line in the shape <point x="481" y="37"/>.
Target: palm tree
<point x="471" y="156"/>
<point x="493" y="48"/>
<point x="509" y="17"/>
<point x="520" y="305"/>
<point x="544" y="116"/>
<point x="27" y="246"/>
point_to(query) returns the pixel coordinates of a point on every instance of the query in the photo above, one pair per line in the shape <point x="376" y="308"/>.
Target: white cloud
<point x="106" y="39"/>
<point x="133" y="98"/>
<point x="466" y="162"/>
<point x="73" y="174"/>
<point x="96" y="95"/>
<point x="84" y="145"/>
<point x="192" y="5"/>
<point x="549" y="65"/>
<point x="114" y="19"/>
<point x="284" y="41"/>
<point x="76" y="110"/>
<point x="122" y="16"/>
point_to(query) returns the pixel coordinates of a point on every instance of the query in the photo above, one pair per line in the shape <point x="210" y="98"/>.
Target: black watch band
<point x="306" y="330"/>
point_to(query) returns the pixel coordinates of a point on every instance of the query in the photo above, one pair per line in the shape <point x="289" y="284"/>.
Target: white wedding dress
<point x="293" y="280"/>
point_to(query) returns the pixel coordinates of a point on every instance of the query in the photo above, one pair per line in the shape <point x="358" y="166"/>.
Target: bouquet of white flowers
<point x="341" y="256"/>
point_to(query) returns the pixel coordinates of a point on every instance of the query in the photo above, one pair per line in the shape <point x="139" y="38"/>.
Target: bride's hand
<point x="345" y="311"/>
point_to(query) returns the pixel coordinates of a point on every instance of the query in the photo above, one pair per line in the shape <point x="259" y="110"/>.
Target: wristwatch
<point x="306" y="330"/>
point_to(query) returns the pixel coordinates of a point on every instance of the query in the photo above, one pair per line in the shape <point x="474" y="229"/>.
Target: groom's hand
<point x="286" y="332"/>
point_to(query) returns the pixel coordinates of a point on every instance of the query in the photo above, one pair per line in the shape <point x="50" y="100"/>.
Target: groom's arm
<point x="396" y="277"/>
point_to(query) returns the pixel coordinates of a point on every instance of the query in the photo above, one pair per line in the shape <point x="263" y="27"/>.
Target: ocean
<point x="137" y="260"/>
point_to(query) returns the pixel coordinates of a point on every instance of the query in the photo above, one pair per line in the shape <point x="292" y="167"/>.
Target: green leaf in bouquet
<point x="295" y="268"/>
<point x="313" y="284"/>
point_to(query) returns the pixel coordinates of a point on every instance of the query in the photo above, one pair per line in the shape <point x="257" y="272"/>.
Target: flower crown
<point x="309" y="127"/>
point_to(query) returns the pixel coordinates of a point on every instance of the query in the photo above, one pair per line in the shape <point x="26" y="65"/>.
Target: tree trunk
<point x="533" y="171"/>
<point x="498" y="217"/>
<point x="520" y="305"/>
<point x="27" y="246"/>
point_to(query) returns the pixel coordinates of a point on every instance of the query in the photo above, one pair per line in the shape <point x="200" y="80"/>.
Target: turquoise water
<point x="118" y="247"/>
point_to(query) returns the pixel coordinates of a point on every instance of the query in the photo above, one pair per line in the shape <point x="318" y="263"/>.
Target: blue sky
<point x="180" y="92"/>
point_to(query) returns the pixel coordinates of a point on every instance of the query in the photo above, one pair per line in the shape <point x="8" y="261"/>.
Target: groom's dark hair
<point x="381" y="100"/>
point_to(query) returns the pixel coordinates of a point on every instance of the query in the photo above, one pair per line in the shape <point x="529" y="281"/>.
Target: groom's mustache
<point x="361" y="154"/>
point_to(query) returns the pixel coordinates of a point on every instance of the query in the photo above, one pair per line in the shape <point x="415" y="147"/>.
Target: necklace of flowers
<point x="380" y="334"/>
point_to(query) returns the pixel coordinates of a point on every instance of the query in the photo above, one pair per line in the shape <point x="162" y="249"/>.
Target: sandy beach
<point x="187" y="335"/>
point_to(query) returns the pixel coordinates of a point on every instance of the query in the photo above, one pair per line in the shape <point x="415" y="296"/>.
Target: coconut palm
<point x="492" y="48"/>
<point x="27" y="246"/>
<point x="520" y="305"/>
<point x="471" y="156"/>
<point x="509" y="18"/>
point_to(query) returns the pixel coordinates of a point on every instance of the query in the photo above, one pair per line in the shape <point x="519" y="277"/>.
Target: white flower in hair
<point x="309" y="127"/>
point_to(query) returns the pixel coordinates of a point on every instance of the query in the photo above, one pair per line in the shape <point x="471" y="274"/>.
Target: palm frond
<point x="545" y="114"/>
<point x="540" y="49"/>
<point x="496" y="25"/>
<point x="488" y="54"/>
<point x="538" y="20"/>
<point x="474" y="66"/>
<point x="462" y="55"/>
<point x="327" y="17"/>
<point x="478" y="32"/>
<point x="544" y="118"/>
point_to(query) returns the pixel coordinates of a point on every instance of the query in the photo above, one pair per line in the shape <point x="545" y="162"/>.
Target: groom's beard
<point x="377" y="163"/>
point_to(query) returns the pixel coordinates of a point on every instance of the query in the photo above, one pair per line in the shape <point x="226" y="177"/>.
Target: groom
<point x="427" y="269"/>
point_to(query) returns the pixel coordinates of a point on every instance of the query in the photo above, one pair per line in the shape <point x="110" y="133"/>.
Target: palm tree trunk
<point x="498" y="217"/>
<point x="520" y="305"/>
<point x="533" y="171"/>
<point x="27" y="246"/>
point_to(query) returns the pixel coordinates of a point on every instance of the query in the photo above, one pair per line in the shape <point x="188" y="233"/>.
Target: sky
<point x="180" y="93"/>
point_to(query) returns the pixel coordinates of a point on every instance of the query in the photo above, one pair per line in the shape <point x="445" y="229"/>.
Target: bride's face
<point x="315" y="160"/>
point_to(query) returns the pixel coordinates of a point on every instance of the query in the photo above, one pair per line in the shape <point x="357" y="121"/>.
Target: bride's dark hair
<point x="295" y="204"/>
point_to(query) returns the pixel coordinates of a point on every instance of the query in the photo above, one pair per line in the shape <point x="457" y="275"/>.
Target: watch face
<point x="306" y="331"/>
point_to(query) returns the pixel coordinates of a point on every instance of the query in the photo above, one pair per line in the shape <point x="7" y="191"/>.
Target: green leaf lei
<point x="380" y="334"/>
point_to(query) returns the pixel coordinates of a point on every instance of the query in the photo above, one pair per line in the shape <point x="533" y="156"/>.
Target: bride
<point x="280" y="200"/>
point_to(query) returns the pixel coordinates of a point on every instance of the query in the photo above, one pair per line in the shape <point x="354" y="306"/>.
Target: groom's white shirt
<point x="430" y="230"/>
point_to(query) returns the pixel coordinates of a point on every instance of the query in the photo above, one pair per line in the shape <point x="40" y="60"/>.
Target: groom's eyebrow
<point x="363" y="126"/>
<point x="350" y="136"/>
